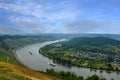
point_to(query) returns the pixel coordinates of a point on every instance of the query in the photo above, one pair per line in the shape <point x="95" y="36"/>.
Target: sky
<point x="59" y="16"/>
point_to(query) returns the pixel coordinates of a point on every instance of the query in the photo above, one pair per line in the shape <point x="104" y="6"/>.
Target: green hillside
<point x="10" y="68"/>
<point x="8" y="43"/>
<point x="95" y="52"/>
<point x="93" y="41"/>
<point x="94" y="44"/>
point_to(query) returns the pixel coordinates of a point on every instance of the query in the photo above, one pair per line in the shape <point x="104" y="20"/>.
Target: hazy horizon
<point x="59" y="17"/>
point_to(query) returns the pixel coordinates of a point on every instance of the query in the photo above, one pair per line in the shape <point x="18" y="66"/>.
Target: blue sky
<point x="59" y="16"/>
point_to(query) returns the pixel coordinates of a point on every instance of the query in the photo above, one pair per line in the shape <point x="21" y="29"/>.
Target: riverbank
<point x="70" y="56"/>
<point x="56" y="75"/>
<point x="69" y="65"/>
<point x="38" y="62"/>
<point x="12" y="69"/>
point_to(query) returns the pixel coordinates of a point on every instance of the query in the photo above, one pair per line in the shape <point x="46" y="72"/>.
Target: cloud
<point x="27" y="9"/>
<point x="46" y="17"/>
<point x="9" y="30"/>
<point x="31" y="25"/>
<point x="88" y="26"/>
<point x="62" y="16"/>
<point x="48" y="11"/>
<point x="23" y="21"/>
<point x="14" y="8"/>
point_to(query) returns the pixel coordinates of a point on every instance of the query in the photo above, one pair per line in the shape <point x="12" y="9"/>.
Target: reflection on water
<point x="62" y="63"/>
<point x="37" y="61"/>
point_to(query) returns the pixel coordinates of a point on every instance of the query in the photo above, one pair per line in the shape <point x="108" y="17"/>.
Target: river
<point x="29" y="56"/>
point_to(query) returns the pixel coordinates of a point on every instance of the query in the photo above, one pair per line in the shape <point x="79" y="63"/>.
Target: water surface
<point x="37" y="61"/>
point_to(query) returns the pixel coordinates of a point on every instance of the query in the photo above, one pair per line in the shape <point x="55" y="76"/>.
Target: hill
<point x="95" y="52"/>
<point x="8" y="43"/>
<point x="92" y="41"/>
<point x="14" y="72"/>
<point x="10" y="68"/>
<point x="71" y="36"/>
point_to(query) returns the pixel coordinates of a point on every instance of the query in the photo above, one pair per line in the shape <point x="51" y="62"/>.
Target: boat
<point x="30" y="53"/>
<point x="52" y="64"/>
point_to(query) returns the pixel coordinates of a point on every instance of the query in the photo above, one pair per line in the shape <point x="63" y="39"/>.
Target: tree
<point x="94" y="77"/>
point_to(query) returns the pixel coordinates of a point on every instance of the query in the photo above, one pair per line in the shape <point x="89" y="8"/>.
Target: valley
<point x="95" y="52"/>
<point x="69" y="59"/>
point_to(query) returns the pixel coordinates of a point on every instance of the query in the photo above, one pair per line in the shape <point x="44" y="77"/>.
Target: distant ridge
<point x="92" y="41"/>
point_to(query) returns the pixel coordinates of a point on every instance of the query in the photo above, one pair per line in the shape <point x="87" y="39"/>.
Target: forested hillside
<point x="8" y="43"/>
<point x="95" y="52"/>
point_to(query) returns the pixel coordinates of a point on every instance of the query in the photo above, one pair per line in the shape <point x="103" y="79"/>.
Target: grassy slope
<point x="18" y="72"/>
<point x="10" y="69"/>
